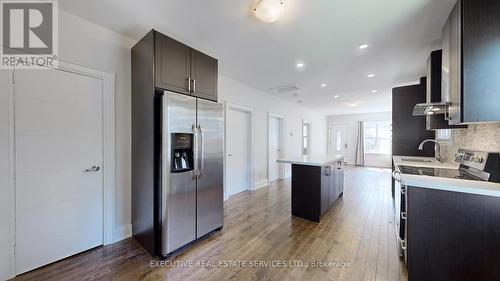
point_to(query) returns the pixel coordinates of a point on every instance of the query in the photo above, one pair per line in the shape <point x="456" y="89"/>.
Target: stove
<point x="437" y="172"/>
<point x="474" y="165"/>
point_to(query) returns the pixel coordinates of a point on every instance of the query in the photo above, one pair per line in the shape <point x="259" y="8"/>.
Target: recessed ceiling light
<point x="269" y="10"/>
<point x="336" y="96"/>
<point x="364" y="46"/>
<point x="374" y="91"/>
<point x="323" y="85"/>
<point x="371" y="75"/>
<point x="300" y="65"/>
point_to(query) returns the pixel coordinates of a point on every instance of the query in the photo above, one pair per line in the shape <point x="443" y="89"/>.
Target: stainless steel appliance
<point x="191" y="171"/>
<point x="474" y="166"/>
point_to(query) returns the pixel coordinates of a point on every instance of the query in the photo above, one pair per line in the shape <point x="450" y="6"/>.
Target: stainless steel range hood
<point x="423" y="109"/>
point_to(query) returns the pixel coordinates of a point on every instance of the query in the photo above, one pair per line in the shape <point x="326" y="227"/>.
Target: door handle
<point x="94" y="168"/>
<point x="229" y="154"/>
<point x="202" y="150"/>
<point x="195" y="133"/>
<point x="194" y="85"/>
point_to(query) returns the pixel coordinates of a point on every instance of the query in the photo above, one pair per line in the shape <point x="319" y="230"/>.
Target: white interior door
<point x="238" y="165"/>
<point x="58" y="135"/>
<point x="275" y="149"/>
<point x="338" y="139"/>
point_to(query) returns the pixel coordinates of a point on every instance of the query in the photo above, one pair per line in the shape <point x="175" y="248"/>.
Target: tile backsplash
<point x="483" y="137"/>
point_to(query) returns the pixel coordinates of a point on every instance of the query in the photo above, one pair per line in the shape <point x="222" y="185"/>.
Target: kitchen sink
<point x="416" y="160"/>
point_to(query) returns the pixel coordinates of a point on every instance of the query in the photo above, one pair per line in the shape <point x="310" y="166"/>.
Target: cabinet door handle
<point x="194" y="85"/>
<point x="403" y="215"/>
<point x="189" y="84"/>
<point x="403" y="244"/>
<point x="327" y="171"/>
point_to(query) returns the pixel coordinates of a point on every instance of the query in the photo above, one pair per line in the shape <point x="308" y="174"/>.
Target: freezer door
<point x="178" y="204"/>
<point x="210" y="189"/>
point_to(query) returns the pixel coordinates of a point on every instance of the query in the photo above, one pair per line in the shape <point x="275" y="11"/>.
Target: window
<point x="306" y="132"/>
<point x="378" y="137"/>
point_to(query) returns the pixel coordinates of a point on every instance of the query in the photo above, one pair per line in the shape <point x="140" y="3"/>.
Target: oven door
<point x="399" y="211"/>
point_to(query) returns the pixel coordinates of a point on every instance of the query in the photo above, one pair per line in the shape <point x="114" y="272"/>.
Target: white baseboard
<point x="123" y="232"/>
<point x="260" y="184"/>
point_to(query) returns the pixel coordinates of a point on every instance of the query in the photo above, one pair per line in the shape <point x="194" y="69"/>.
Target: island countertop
<point x="312" y="160"/>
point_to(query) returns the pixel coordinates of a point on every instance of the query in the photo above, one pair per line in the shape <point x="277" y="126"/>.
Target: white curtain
<point x="360" y="146"/>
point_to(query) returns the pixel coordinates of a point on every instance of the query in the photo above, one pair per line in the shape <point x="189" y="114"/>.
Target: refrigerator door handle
<point x="196" y="152"/>
<point x="202" y="150"/>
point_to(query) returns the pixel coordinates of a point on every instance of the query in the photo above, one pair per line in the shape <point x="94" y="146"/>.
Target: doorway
<point x="239" y="150"/>
<point x="59" y="182"/>
<point x="339" y="140"/>
<point x="275" y="146"/>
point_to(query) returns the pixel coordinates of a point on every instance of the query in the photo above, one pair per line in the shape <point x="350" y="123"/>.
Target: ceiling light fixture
<point x="364" y="46"/>
<point x="269" y="10"/>
<point x="300" y="65"/>
<point x="323" y="85"/>
<point x="371" y="75"/>
<point x="336" y="97"/>
<point x="374" y="91"/>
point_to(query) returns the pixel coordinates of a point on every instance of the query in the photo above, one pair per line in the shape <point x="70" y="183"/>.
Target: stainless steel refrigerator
<point x="191" y="171"/>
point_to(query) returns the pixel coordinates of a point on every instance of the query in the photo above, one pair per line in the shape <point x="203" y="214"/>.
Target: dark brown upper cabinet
<point x="172" y="64"/>
<point x="182" y="69"/>
<point x="204" y="71"/>
<point x="471" y="62"/>
<point x="433" y="93"/>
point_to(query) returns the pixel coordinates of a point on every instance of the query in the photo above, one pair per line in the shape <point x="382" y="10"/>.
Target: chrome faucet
<point x="437" y="148"/>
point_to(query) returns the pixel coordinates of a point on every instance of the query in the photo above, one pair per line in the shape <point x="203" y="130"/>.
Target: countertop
<point x="456" y="185"/>
<point x="312" y="160"/>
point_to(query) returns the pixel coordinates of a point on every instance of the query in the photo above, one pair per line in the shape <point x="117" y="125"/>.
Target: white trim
<point x="123" y="232"/>
<point x="109" y="151"/>
<point x="227" y="107"/>
<point x="12" y="180"/>
<point x="261" y="184"/>
<point x="282" y="143"/>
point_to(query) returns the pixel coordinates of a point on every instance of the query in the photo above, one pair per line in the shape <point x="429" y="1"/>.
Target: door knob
<point x="229" y="154"/>
<point x="94" y="168"/>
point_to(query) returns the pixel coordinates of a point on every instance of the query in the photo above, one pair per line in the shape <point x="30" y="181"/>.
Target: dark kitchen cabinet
<point x="471" y="61"/>
<point x="315" y="189"/>
<point x="452" y="235"/>
<point x="204" y="71"/>
<point x="172" y="64"/>
<point x="409" y="131"/>
<point x="433" y="92"/>
<point x="182" y="69"/>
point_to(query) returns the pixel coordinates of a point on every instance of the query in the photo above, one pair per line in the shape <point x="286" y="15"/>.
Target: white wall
<point x="240" y="94"/>
<point x="90" y="45"/>
<point x="351" y="120"/>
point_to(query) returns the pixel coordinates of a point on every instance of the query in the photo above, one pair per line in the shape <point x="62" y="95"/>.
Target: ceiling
<point x="324" y="35"/>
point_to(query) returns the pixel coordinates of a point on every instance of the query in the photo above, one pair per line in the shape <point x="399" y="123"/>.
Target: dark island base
<point x="315" y="189"/>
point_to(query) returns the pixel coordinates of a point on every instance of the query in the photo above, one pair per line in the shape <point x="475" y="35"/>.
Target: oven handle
<point x="396" y="175"/>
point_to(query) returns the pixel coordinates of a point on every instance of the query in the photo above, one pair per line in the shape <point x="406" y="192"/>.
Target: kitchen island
<point x="317" y="183"/>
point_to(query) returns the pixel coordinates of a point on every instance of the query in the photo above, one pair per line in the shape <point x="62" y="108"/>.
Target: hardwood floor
<point x="356" y="235"/>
